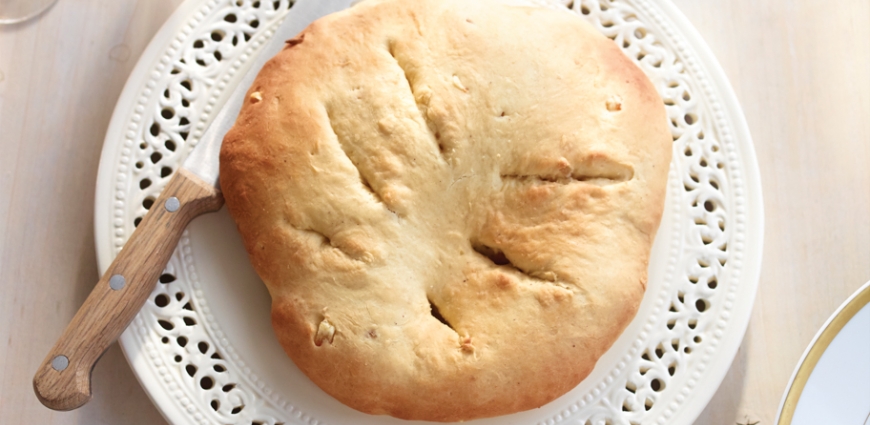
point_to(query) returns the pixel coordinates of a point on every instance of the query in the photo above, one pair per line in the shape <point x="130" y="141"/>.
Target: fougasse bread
<point x="451" y="202"/>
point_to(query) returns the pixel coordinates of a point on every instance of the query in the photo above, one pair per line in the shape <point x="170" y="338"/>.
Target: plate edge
<point x="813" y="353"/>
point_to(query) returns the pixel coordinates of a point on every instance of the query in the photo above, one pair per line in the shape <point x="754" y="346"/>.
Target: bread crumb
<point x="256" y="97"/>
<point x="614" y="103"/>
<point x="545" y="275"/>
<point x="458" y="84"/>
<point x="294" y="41"/>
<point x="504" y="281"/>
<point x="326" y="331"/>
<point x="385" y="127"/>
<point x="466" y="345"/>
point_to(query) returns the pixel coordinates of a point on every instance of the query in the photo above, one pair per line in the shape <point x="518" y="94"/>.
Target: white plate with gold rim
<point x="831" y="383"/>
<point x="203" y="347"/>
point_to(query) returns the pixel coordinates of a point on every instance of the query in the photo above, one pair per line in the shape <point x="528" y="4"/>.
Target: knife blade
<point x="63" y="380"/>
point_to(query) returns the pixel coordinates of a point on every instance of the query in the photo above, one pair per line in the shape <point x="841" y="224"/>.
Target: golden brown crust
<point x="503" y="164"/>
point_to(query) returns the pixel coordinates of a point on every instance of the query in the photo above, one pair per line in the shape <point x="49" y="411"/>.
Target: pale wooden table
<point x="800" y="70"/>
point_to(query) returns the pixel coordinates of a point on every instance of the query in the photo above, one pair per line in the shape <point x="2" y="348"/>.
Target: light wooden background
<point x="800" y="68"/>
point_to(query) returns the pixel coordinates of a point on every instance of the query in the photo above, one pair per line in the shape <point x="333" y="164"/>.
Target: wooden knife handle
<point x="63" y="381"/>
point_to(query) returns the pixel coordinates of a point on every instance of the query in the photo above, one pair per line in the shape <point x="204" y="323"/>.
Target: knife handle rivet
<point x="59" y="363"/>
<point x="172" y="204"/>
<point x="117" y="282"/>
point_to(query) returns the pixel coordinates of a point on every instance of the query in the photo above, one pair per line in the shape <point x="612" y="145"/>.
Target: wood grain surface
<point x="801" y="70"/>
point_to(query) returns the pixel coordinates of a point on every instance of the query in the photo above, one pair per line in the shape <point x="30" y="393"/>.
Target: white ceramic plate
<point x="831" y="383"/>
<point x="203" y="347"/>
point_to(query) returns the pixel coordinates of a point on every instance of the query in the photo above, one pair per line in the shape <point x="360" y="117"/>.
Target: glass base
<point x="15" y="11"/>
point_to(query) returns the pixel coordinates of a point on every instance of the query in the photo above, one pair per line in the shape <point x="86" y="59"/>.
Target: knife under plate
<point x="63" y="380"/>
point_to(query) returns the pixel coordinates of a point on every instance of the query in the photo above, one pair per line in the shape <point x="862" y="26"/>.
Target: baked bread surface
<point x="452" y="203"/>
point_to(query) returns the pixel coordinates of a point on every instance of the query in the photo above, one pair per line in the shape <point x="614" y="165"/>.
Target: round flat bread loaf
<point x="451" y="202"/>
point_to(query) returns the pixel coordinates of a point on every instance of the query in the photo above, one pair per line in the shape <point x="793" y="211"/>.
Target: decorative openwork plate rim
<point x="663" y="369"/>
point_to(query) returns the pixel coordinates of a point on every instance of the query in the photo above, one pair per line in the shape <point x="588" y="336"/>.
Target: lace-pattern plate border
<point x="680" y="348"/>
